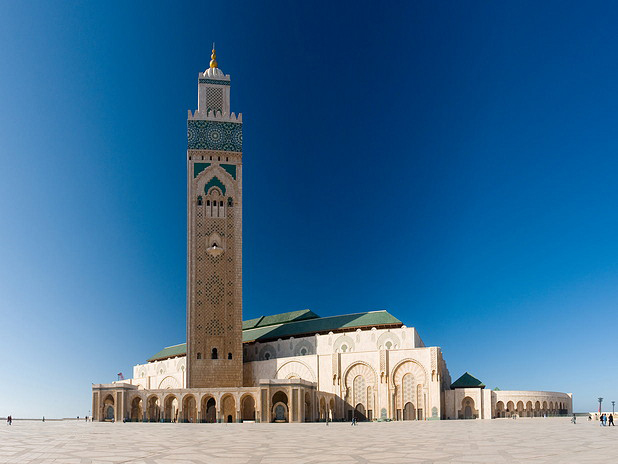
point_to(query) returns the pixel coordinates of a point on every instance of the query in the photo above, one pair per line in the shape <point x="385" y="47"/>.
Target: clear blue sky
<point x="451" y="162"/>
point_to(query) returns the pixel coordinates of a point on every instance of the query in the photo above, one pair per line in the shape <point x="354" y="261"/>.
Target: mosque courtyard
<point x="539" y="440"/>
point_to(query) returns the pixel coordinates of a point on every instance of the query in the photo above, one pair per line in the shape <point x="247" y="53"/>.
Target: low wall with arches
<point x="508" y="403"/>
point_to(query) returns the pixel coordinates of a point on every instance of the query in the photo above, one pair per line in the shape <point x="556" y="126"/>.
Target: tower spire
<point x="213" y="57"/>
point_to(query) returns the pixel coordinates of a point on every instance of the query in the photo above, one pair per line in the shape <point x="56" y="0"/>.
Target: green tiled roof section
<point x="170" y="352"/>
<point x="318" y="324"/>
<point x="251" y="323"/>
<point x="295" y="323"/>
<point x="214" y="182"/>
<point x="284" y="318"/>
<point x="467" y="381"/>
<point x="231" y="169"/>
<point x="199" y="167"/>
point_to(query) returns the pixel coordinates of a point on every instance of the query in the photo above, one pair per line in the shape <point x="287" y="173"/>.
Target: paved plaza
<point x="549" y="440"/>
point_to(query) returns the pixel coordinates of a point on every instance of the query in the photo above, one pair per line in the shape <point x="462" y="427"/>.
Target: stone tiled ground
<point x="540" y="440"/>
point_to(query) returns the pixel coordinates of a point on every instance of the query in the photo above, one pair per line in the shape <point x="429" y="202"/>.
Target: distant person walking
<point x="611" y="420"/>
<point x="574" y="419"/>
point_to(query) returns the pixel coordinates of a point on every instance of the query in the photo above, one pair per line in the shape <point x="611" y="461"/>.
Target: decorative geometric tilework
<point x="213" y="81"/>
<point x="408" y="388"/>
<point x="199" y="167"/>
<point x="214" y="182"/>
<point x="231" y="169"/>
<point x="359" y="390"/>
<point x="214" y="98"/>
<point x="214" y="135"/>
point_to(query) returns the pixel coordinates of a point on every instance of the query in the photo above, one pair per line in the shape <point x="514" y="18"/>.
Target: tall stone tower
<point x="214" y="238"/>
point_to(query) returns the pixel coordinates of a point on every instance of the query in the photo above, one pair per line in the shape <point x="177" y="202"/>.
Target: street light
<point x="600" y="405"/>
<point x="613" y="403"/>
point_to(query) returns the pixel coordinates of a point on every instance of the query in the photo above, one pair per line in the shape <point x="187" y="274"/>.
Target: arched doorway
<point x="248" y="408"/>
<point x="209" y="410"/>
<point x="500" y="409"/>
<point x="171" y="409"/>
<point x="136" y="409"/>
<point x="360" y="413"/>
<point x="153" y="409"/>
<point x="467" y="409"/>
<point x="308" y="410"/>
<point x="409" y="412"/>
<point x="520" y="408"/>
<point x="189" y="409"/>
<point x="280" y="407"/>
<point x="529" y="411"/>
<point x="331" y="410"/>
<point x="322" y="409"/>
<point x="108" y="408"/>
<point x="228" y="409"/>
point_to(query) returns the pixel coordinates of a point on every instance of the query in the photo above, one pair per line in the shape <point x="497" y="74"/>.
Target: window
<point x="229" y="356"/>
<point x="214" y="354"/>
<point x="389" y="345"/>
<point x="230" y="202"/>
<point x="199" y="200"/>
<point x="207" y="202"/>
<point x="267" y="356"/>
<point x="303" y="351"/>
<point x="344" y="348"/>
<point x="199" y="356"/>
<point x="221" y="203"/>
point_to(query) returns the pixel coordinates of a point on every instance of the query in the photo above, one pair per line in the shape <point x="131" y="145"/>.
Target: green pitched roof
<point x="282" y="318"/>
<point x="318" y="325"/>
<point x="170" y="352"/>
<point x="295" y="323"/>
<point x="467" y="381"/>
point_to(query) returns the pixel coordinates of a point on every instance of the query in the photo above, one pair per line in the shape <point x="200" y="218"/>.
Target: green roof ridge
<point x="295" y="323"/>
<point x="467" y="380"/>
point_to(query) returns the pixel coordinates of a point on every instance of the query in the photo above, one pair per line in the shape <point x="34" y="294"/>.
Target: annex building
<point x="291" y="367"/>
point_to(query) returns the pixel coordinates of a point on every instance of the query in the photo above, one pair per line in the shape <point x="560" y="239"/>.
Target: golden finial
<point x="213" y="57"/>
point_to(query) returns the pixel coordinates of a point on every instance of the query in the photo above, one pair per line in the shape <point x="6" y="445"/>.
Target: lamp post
<point x="600" y="404"/>
<point x="613" y="403"/>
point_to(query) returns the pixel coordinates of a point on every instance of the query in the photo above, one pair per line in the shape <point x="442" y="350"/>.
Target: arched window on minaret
<point x="199" y="200"/>
<point x="214" y="354"/>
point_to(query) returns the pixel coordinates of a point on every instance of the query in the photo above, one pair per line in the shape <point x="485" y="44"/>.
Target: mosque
<point x="291" y="367"/>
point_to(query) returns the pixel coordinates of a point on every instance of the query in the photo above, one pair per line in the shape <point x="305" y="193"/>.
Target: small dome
<point x="213" y="72"/>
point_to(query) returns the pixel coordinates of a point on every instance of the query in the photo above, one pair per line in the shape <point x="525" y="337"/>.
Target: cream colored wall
<point x="334" y="358"/>
<point x="533" y="396"/>
<point x="169" y="373"/>
<point x="332" y="368"/>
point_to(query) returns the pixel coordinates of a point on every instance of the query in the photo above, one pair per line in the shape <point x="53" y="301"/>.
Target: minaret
<point x="214" y="236"/>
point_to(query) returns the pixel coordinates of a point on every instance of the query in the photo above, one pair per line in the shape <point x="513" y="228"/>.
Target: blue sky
<point x="454" y="163"/>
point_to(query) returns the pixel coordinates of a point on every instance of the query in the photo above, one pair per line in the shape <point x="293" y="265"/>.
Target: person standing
<point x="611" y="420"/>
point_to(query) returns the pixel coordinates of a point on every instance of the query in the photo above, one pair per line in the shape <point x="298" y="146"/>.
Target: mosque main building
<point x="291" y="367"/>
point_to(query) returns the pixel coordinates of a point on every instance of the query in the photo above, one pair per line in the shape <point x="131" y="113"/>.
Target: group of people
<point x="9" y="420"/>
<point x="604" y="420"/>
